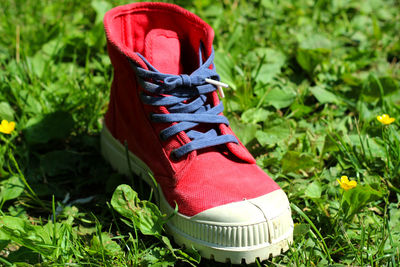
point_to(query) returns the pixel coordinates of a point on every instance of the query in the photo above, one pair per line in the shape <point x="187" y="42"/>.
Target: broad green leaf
<point x="274" y="132"/>
<point x="31" y="103"/>
<point x="329" y="145"/>
<point x="324" y="96"/>
<point x="369" y="144"/>
<point x="254" y="115"/>
<point x="273" y="135"/>
<point x="101" y="7"/>
<point x="201" y="4"/>
<point x="301" y="229"/>
<point x="245" y="131"/>
<point x="314" y="190"/>
<point x="268" y="4"/>
<point x="37" y="64"/>
<point x="43" y="128"/>
<point x="52" y="48"/>
<point x="394" y="221"/>
<point x="145" y="215"/>
<point x="394" y="224"/>
<point x="372" y="89"/>
<point x="350" y="79"/>
<point x="300" y="110"/>
<point x="293" y="161"/>
<point x="273" y="60"/>
<point x="105" y="243"/>
<point x="16" y="224"/>
<point x="357" y="198"/>
<point x="157" y="256"/>
<point x="308" y="59"/>
<point x="11" y="188"/>
<point x="6" y="112"/>
<point x="366" y="114"/>
<point x="314" y="40"/>
<point x="279" y="98"/>
<point x="4" y="237"/>
<point x="23" y="232"/>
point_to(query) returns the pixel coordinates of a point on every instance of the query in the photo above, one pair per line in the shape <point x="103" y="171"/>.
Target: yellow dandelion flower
<point x="346" y="184"/>
<point x="385" y="119"/>
<point x="7" y="127"/>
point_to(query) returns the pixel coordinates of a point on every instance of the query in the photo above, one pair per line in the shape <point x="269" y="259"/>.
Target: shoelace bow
<point x="185" y="97"/>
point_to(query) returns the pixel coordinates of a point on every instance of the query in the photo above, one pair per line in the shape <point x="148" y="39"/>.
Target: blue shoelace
<point x="185" y="97"/>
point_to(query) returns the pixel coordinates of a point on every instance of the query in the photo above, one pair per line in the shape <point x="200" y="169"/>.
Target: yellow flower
<point x="7" y="127"/>
<point x="385" y="119"/>
<point x="346" y="184"/>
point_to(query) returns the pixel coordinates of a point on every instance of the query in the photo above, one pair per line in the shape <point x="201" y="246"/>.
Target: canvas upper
<point x="170" y="38"/>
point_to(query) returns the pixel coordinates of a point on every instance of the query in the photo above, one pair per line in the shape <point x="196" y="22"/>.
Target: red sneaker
<point x="164" y="104"/>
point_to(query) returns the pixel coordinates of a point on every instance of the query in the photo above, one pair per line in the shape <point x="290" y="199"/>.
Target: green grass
<point x="308" y="79"/>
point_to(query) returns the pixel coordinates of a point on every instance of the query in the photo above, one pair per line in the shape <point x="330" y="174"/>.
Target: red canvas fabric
<point x="169" y="37"/>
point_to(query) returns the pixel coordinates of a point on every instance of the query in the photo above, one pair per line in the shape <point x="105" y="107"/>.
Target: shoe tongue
<point x="163" y="51"/>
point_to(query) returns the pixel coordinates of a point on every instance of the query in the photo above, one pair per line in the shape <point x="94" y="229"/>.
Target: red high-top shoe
<point x="164" y="105"/>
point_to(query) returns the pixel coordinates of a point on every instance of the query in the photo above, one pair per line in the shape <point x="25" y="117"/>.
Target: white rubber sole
<point x="236" y="232"/>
